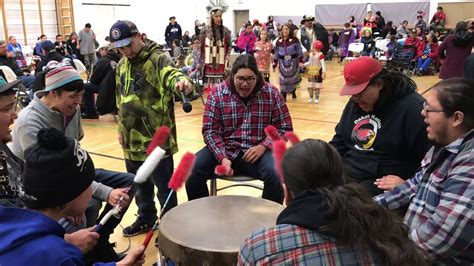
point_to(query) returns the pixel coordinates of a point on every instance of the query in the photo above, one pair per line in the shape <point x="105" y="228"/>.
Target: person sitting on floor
<point x="58" y="183"/>
<point x="439" y="197"/>
<point x="428" y="51"/>
<point x="235" y="116"/>
<point x="326" y="221"/>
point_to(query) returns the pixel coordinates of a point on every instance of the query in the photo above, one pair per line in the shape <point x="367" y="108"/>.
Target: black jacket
<point x="173" y="32"/>
<point x="104" y="77"/>
<point x="11" y="63"/>
<point x="322" y="35"/>
<point x="10" y="178"/>
<point x="390" y="140"/>
<point x="47" y="58"/>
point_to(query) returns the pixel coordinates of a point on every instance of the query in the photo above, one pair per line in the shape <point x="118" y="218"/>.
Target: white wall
<point x="151" y="16"/>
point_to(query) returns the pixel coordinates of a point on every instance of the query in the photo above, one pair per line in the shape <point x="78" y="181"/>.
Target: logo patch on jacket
<point x="364" y="132"/>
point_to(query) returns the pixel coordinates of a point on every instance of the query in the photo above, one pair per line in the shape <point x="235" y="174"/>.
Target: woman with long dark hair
<point x="454" y="50"/>
<point x="236" y="113"/>
<point x="327" y="222"/>
<point x="288" y="57"/>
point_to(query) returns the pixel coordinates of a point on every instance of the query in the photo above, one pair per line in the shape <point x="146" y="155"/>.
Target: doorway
<point x="240" y="16"/>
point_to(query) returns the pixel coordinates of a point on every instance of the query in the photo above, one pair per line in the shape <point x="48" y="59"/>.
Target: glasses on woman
<point x="249" y="79"/>
<point x="427" y="109"/>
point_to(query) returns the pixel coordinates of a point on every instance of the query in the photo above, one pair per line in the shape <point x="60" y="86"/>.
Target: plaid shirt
<point x="440" y="216"/>
<point x="230" y="125"/>
<point x="287" y="244"/>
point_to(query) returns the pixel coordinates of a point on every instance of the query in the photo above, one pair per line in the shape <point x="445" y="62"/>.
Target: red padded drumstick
<point x="221" y="170"/>
<point x="291" y="136"/>
<point x="180" y="175"/>
<point x="272" y="133"/>
<point x="159" y="138"/>
<point x="279" y="149"/>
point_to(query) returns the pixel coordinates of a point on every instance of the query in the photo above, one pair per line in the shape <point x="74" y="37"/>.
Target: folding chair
<point x="240" y="179"/>
<point x="356" y="49"/>
<point x="22" y="95"/>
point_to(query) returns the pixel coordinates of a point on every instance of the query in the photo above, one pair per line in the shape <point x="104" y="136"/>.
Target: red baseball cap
<point x="358" y="73"/>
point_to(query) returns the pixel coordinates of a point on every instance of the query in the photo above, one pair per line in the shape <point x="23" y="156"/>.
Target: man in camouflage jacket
<point x="146" y="81"/>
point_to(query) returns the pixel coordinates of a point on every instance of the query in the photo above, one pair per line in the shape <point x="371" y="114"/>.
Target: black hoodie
<point x="104" y="77"/>
<point x="392" y="140"/>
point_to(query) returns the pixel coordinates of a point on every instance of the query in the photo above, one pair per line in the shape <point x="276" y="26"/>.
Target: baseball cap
<point x="5" y="86"/>
<point x="358" y="73"/>
<point x="121" y="33"/>
<point x="48" y="46"/>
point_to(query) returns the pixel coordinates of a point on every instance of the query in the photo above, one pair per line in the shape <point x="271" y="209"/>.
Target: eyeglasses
<point x="427" y="110"/>
<point x="241" y="80"/>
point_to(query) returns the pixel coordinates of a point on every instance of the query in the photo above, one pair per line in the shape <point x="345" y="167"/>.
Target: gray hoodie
<point x="38" y="115"/>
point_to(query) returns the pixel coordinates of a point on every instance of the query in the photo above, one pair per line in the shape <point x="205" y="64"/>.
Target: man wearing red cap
<point x="380" y="132"/>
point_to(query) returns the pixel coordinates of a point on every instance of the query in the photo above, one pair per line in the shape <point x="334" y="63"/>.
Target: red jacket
<point x="433" y="54"/>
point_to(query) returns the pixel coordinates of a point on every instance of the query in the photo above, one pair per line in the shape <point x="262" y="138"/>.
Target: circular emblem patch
<point x="116" y="33"/>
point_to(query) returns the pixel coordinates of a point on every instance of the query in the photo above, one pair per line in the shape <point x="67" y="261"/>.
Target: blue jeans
<point x="263" y="169"/>
<point x="27" y="80"/>
<point x="89" y="90"/>
<point x="423" y="65"/>
<point x="145" y="192"/>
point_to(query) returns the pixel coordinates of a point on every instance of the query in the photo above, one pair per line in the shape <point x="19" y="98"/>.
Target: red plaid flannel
<point x="231" y="125"/>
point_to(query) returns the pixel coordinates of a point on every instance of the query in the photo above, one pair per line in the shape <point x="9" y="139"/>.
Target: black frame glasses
<point x="427" y="110"/>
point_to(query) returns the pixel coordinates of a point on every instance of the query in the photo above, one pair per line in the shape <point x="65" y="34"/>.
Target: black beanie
<point x="57" y="170"/>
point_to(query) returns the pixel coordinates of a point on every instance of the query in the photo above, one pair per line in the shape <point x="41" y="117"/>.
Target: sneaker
<point x="316" y="100"/>
<point x="293" y="95"/>
<point x="138" y="227"/>
<point x="310" y="100"/>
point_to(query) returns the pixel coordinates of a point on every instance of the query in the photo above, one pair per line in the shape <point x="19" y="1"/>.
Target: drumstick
<point x="155" y="154"/>
<point x="272" y="133"/>
<point x="291" y="136"/>
<point x="279" y="149"/>
<point x="180" y="175"/>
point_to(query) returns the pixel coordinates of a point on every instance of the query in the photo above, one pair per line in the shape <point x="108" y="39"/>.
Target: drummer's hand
<point x="116" y="194"/>
<point x="184" y="86"/>
<point x="84" y="239"/>
<point x="228" y="164"/>
<point x="134" y="257"/>
<point x="388" y="182"/>
<point x="253" y="154"/>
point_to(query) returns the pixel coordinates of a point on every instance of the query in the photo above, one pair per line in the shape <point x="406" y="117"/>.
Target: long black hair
<point x="462" y="37"/>
<point x="354" y="217"/>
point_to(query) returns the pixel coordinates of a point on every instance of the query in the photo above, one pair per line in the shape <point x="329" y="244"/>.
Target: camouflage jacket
<point x="145" y="87"/>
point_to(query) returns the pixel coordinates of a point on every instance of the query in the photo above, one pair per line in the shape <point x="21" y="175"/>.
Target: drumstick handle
<point x="147" y="239"/>
<point x="166" y="203"/>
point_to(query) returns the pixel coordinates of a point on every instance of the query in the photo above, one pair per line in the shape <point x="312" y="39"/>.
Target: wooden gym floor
<point x="309" y="121"/>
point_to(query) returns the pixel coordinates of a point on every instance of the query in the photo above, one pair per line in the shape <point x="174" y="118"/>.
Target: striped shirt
<point x="440" y="215"/>
<point x="287" y="244"/>
<point x="232" y="125"/>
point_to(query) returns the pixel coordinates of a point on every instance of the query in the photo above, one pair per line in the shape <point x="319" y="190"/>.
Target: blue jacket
<point x="30" y="238"/>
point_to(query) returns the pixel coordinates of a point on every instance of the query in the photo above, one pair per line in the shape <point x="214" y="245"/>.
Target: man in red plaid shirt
<point x="235" y="116"/>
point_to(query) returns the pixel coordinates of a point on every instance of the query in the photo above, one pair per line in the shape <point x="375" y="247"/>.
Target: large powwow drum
<point x="210" y="231"/>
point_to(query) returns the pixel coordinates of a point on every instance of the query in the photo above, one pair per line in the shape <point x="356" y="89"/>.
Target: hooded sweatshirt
<point x="104" y="77"/>
<point x="296" y="239"/>
<point x="145" y="88"/>
<point x="391" y="140"/>
<point x="31" y="238"/>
